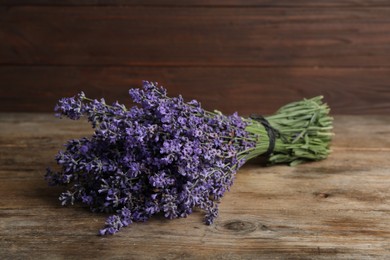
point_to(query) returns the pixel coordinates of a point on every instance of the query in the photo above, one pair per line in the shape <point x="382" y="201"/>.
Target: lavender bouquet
<point x="170" y="156"/>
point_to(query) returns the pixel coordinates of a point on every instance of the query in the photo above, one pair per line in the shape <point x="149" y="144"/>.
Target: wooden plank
<point x="336" y="208"/>
<point x="160" y="36"/>
<point x="195" y="3"/>
<point x="246" y="90"/>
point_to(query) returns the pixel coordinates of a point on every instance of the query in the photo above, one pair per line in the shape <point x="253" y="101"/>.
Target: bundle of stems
<point x="165" y="155"/>
<point x="303" y="132"/>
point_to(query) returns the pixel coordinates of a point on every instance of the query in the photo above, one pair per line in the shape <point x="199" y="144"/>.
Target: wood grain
<point x="195" y="3"/>
<point x="246" y="90"/>
<point x="159" y="36"/>
<point x="336" y="208"/>
<point x="232" y="55"/>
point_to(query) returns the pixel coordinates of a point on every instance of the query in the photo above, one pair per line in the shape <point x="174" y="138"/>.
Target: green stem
<point x="305" y="129"/>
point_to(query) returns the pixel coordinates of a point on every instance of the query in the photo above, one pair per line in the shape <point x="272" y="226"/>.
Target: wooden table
<point x="336" y="208"/>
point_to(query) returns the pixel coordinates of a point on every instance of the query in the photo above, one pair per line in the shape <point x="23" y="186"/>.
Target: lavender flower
<point x="164" y="155"/>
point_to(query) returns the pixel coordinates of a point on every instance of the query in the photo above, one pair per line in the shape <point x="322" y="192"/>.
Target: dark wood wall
<point x="245" y="56"/>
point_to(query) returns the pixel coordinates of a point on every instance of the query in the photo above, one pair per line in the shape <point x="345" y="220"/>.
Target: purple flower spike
<point x="164" y="155"/>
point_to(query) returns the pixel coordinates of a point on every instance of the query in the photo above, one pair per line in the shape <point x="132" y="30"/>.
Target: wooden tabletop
<point x="336" y="208"/>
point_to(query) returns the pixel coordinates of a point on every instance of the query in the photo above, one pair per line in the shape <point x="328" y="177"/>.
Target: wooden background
<point x="335" y="209"/>
<point x="246" y="56"/>
<point x="233" y="55"/>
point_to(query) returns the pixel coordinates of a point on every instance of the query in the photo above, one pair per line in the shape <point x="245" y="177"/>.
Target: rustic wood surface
<point x="336" y="208"/>
<point x="167" y="36"/>
<point x="196" y="3"/>
<point x="247" y="90"/>
<point x="233" y="54"/>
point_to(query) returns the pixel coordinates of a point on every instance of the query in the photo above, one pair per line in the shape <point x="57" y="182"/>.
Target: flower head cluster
<point x="163" y="156"/>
